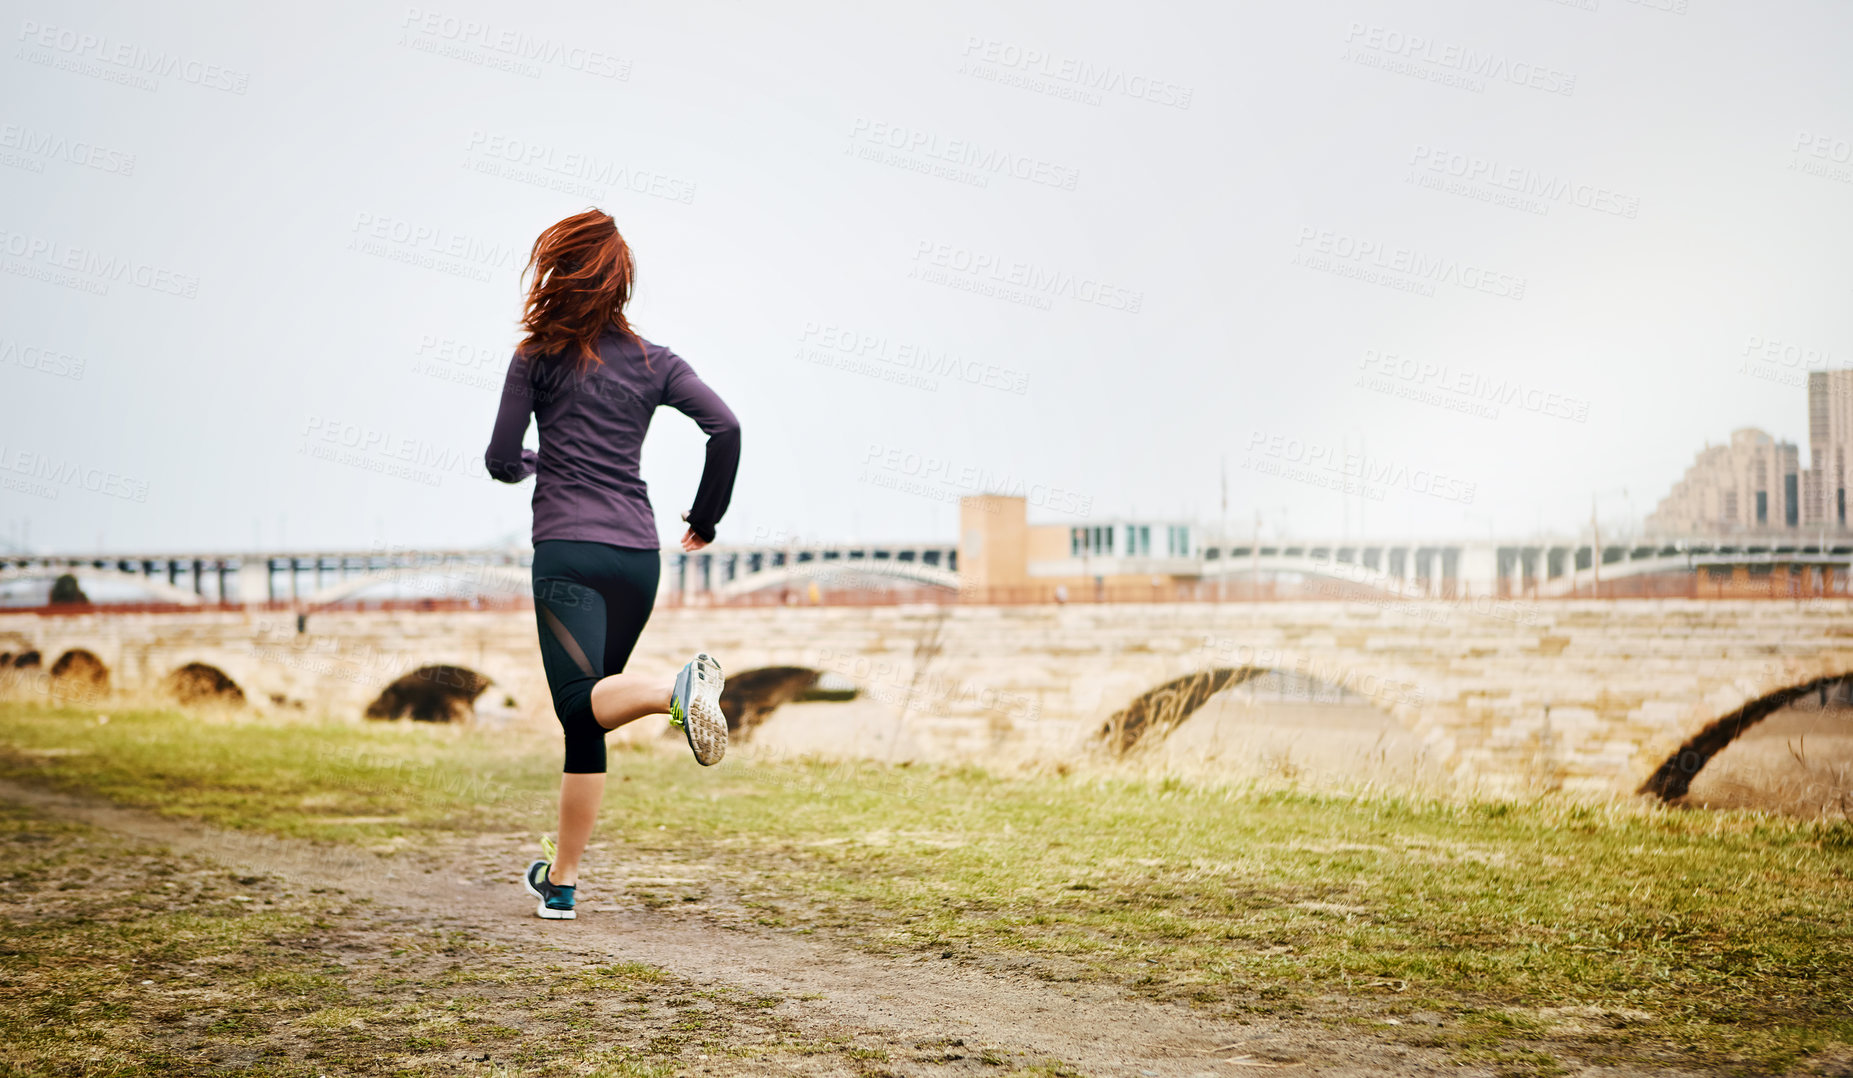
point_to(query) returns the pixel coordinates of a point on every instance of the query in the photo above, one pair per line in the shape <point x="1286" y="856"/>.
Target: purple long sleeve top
<point x="592" y="425"/>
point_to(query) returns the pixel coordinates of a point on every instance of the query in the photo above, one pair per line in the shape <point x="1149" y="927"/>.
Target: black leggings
<point x="591" y="601"/>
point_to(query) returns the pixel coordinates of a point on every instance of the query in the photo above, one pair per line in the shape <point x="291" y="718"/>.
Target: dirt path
<point x="928" y="1014"/>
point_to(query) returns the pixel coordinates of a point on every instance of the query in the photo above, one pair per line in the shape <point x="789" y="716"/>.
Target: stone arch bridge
<point x="1591" y="696"/>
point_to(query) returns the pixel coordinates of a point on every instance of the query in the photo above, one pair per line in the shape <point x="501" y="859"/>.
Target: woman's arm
<point x="689" y="395"/>
<point x="506" y="460"/>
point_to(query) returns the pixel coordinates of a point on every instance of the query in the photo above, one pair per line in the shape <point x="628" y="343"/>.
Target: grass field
<point x="1517" y="934"/>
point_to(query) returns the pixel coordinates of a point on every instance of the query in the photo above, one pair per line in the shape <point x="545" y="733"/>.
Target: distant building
<point x="1830" y="446"/>
<point x="999" y="548"/>
<point x="1752" y="484"/>
<point x="1757" y="484"/>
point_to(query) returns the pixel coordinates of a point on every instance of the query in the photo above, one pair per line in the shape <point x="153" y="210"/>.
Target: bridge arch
<point x="79" y="670"/>
<point x="1363" y="578"/>
<point x="751" y="696"/>
<point x="30" y="659"/>
<point x="1153" y="714"/>
<point x="202" y="683"/>
<point x="1674" y="776"/>
<point x="803" y="572"/>
<point x="436" y="692"/>
<point x="1159" y="710"/>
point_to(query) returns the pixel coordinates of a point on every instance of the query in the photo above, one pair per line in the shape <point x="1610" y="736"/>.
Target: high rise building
<point x="1752" y="484"/>
<point x="1757" y="484"/>
<point x="1830" y="446"/>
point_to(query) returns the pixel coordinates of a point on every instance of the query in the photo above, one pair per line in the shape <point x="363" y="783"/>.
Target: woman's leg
<point x="619" y="698"/>
<point x="570" y="613"/>
<point x="592" y="601"/>
<point x="616" y="700"/>
<point x="580" y="795"/>
<point x="622" y="698"/>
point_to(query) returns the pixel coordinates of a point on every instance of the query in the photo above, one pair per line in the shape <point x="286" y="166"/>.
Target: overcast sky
<point x="1410" y="268"/>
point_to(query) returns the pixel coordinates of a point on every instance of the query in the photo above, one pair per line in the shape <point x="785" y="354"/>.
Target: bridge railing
<point x="281" y="606"/>
<point x="1696" y="585"/>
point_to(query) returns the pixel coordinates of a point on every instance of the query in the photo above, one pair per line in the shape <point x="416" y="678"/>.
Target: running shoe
<point x="556" y="902"/>
<point x="695" y="706"/>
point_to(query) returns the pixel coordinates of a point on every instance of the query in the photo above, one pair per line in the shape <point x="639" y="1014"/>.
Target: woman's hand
<point x="690" y="541"/>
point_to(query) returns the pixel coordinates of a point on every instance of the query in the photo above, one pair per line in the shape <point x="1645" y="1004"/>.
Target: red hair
<point x="582" y="273"/>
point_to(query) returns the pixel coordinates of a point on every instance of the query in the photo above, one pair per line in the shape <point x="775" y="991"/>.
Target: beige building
<point x="1756" y="483"/>
<point x="1751" y="484"/>
<point x="1000" y="549"/>
<point x="1830" y="447"/>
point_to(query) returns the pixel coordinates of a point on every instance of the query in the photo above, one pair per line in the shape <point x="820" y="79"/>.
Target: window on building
<point x="1762" y="507"/>
<point x="1145" y="539"/>
<point x="1077" y="541"/>
<point x="1791" y="504"/>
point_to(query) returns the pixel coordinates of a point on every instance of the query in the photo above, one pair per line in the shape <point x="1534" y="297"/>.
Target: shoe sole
<point x="527" y="881"/>
<point x="700" y="683"/>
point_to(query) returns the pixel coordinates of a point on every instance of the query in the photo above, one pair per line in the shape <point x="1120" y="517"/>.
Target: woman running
<point x="593" y="385"/>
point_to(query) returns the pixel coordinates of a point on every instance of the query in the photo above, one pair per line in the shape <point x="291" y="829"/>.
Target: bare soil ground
<point x="430" y="961"/>
<point x="1798" y="761"/>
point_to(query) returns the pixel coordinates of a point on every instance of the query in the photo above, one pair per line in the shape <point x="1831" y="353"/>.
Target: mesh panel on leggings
<point x="565" y="637"/>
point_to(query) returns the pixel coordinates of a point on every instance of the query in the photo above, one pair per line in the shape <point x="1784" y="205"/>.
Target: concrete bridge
<point x="1598" y="697"/>
<point x="320" y="578"/>
<point x="1694" y="568"/>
